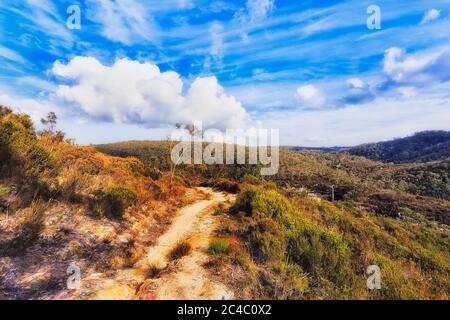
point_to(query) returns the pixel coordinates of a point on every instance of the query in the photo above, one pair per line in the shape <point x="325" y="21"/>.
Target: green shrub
<point x="277" y="227"/>
<point x="266" y="240"/>
<point x="42" y="158"/>
<point x="4" y="191"/>
<point x="244" y="201"/>
<point x="321" y="253"/>
<point x="15" y="143"/>
<point x="394" y="283"/>
<point x="293" y="282"/>
<point x="268" y="202"/>
<point x="219" y="246"/>
<point x="113" y="202"/>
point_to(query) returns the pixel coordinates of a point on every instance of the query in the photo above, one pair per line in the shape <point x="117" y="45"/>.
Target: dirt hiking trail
<point x="185" y="278"/>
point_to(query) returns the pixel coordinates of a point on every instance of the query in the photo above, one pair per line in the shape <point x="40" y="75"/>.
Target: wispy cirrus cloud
<point x="124" y="21"/>
<point x="272" y="57"/>
<point x="11" y="55"/>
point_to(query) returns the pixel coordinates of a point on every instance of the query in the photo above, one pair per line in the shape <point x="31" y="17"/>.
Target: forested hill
<point x="421" y="147"/>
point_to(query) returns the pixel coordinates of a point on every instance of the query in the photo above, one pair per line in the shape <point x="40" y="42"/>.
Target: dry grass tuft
<point x="182" y="249"/>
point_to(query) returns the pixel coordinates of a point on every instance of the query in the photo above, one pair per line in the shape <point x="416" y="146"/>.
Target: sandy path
<point x="188" y="279"/>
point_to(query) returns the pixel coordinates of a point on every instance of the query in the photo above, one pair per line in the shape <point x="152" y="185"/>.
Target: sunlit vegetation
<point x="309" y="232"/>
<point x="292" y="246"/>
<point x="422" y="188"/>
<point x="300" y="248"/>
<point x="219" y="246"/>
<point x="61" y="202"/>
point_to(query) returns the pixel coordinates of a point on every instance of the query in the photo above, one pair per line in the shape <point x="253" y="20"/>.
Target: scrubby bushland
<point x="43" y="165"/>
<point x="281" y="236"/>
<point x="292" y="247"/>
<point x="60" y="202"/>
<point x="296" y="248"/>
<point x="353" y="178"/>
<point x="363" y="181"/>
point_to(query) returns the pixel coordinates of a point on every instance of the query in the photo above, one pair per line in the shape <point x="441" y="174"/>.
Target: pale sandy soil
<point x="183" y="279"/>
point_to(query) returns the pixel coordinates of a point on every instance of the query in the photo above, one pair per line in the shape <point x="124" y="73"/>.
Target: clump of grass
<point x="219" y="210"/>
<point x="182" y="249"/>
<point x="226" y="228"/>
<point x="33" y="223"/>
<point x="29" y="230"/>
<point x="154" y="272"/>
<point x="219" y="246"/>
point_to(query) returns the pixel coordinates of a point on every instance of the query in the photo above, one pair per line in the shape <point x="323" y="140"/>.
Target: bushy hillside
<point x="422" y="188"/>
<point x="291" y="242"/>
<point x="420" y="147"/>
<point x="381" y="188"/>
<point x="291" y="247"/>
<point x="283" y="238"/>
<point x="151" y="153"/>
<point x="60" y="203"/>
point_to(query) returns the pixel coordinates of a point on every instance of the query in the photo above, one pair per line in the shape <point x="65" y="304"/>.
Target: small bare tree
<point x="193" y="131"/>
<point x="50" y="122"/>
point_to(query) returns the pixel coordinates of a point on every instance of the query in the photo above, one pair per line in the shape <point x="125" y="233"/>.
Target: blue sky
<point x="312" y="69"/>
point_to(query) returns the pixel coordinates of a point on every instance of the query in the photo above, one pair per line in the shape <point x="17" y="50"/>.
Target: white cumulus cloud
<point x="310" y="96"/>
<point x="356" y="83"/>
<point x="139" y="93"/>
<point x="431" y="15"/>
<point x="358" y="92"/>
